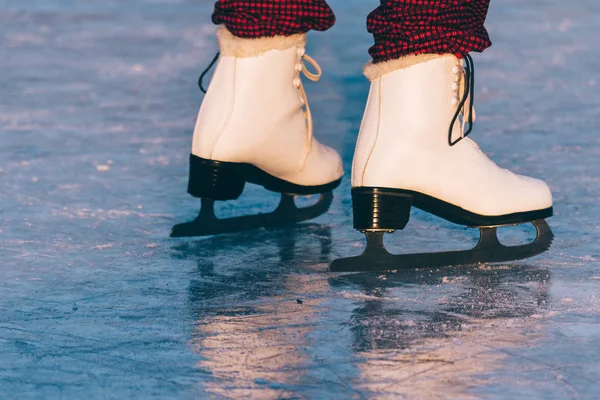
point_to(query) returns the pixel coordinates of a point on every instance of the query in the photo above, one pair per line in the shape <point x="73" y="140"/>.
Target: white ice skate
<point x="255" y="126"/>
<point x="412" y="151"/>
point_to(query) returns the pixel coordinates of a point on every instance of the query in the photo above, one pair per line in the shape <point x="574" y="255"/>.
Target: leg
<point x="259" y="18"/>
<point x="405" y="27"/>
<point x="412" y="149"/>
<point x="255" y="124"/>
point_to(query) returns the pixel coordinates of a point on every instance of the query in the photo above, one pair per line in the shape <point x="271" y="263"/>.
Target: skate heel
<point x="214" y="180"/>
<point x="380" y="209"/>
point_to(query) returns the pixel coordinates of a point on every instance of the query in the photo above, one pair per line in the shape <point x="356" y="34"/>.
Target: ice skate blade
<point x="488" y="250"/>
<point x="286" y="213"/>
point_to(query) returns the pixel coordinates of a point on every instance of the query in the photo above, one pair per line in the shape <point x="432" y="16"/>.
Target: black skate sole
<point x="378" y="208"/>
<point x="220" y="180"/>
<point x="212" y="181"/>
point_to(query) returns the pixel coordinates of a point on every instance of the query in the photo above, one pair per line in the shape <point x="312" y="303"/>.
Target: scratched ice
<point x="97" y="102"/>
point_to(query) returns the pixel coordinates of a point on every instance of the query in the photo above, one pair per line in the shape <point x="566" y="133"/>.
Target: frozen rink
<point x="97" y="105"/>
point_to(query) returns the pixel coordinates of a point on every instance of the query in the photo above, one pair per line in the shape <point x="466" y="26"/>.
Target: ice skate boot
<point x="255" y="126"/>
<point x="412" y="151"/>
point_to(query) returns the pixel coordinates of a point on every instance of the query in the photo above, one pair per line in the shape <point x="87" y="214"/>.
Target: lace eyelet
<point x="301" y="52"/>
<point x="454" y="101"/>
<point x="297" y="82"/>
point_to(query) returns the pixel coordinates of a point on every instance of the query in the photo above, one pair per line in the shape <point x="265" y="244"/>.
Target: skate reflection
<point x="429" y="333"/>
<point x="271" y="322"/>
<point x="255" y="304"/>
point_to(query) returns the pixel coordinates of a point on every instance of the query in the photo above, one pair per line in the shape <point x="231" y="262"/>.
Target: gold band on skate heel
<point x="212" y="180"/>
<point x="380" y="210"/>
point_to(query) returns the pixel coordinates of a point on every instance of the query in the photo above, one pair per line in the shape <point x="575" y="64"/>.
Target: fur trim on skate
<point x="373" y="71"/>
<point x="231" y="45"/>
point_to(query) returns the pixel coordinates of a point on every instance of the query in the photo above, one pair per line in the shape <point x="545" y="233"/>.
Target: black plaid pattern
<point x="252" y="19"/>
<point x="400" y="27"/>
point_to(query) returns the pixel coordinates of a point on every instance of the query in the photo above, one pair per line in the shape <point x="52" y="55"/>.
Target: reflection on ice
<point x="439" y="330"/>
<point x="257" y="337"/>
<point x="433" y="333"/>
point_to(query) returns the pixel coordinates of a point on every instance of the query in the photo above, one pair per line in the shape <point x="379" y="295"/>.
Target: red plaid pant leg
<point x="403" y="27"/>
<point x="400" y="27"/>
<point x="258" y="18"/>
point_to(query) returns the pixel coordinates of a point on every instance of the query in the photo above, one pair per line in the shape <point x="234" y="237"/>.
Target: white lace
<point x="301" y="68"/>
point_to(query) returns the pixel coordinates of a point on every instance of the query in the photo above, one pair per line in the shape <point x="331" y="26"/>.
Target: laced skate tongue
<point x="468" y="97"/>
<point x="313" y="76"/>
<point x="488" y="250"/>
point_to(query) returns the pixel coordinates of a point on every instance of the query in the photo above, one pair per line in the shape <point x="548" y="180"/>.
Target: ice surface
<point x="97" y="103"/>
